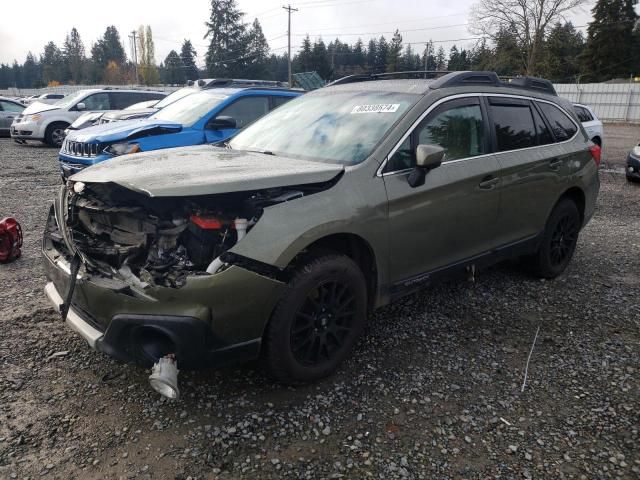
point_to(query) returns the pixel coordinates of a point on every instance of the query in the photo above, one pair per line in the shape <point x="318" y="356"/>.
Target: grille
<point x="80" y="149"/>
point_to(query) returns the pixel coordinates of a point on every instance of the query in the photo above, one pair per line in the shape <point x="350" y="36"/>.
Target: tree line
<point x="534" y="41"/>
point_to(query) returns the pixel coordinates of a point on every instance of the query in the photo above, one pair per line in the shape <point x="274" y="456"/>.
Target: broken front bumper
<point x="213" y="320"/>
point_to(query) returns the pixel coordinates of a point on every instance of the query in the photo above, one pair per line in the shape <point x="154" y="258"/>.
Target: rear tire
<point x="317" y="321"/>
<point x="558" y="241"/>
<point x="54" y="135"/>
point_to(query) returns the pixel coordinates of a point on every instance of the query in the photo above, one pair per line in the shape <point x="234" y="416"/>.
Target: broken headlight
<point x="122" y="148"/>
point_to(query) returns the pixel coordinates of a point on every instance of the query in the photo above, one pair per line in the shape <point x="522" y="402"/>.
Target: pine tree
<point x="173" y="69"/>
<point x="393" y="63"/>
<point x="257" y="50"/>
<point x="227" y="33"/>
<point x="408" y="59"/>
<point x="612" y="44"/>
<point x="320" y="59"/>
<point x="107" y="50"/>
<point x="303" y="61"/>
<point x="188" y="57"/>
<point x="74" y="55"/>
<point x="380" y="65"/>
<point x="441" y="59"/>
<point x="358" y="55"/>
<point x="31" y="74"/>
<point x="562" y="49"/>
<point x="52" y="64"/>
<point x="372" y="55"/>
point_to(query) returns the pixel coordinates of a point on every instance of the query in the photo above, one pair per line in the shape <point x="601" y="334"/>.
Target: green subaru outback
<point x="281" y="242"/>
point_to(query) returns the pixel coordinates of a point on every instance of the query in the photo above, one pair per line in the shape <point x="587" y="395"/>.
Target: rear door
<point x="533" y="166"/>
<point x="8" y="111"/>
<point x="452" y="217"/>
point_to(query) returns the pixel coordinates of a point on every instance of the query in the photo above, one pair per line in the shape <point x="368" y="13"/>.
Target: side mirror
<point x="81" y="106"/>
<point x="222" y="123"/>
<point x="428" y="157"/>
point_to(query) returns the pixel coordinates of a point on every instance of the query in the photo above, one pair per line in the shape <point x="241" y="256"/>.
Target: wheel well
<point x="577" y="196"/>
<point x="358" y="250"/>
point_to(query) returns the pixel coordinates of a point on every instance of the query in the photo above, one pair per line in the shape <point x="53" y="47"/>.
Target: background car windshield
<point x="335" y="127"/>
<point x="189" y="109"/>
<point x="177" y="95"/>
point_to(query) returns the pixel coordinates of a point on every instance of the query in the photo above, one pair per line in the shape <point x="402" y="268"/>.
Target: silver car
<point x="9" y="109"/>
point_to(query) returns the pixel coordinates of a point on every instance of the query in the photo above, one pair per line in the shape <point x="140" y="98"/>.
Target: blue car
<point x="208" y="116"/>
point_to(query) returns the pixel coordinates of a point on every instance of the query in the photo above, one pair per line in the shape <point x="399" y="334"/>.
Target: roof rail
<point x="363" y="77"/>
<point x="460" y="79"/>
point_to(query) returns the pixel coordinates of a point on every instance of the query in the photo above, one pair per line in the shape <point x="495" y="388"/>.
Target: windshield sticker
<point x="379" y="108"/>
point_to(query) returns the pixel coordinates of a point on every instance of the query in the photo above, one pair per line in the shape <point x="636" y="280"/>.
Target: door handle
<point x="489" y="182"/>
<point x="555" y="163"/>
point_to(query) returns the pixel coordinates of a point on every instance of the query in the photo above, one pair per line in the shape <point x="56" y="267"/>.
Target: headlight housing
<point x="122" y="148"/>
<point x="33" y="118"/>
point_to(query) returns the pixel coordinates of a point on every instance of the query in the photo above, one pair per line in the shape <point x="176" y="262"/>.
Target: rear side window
<point x="513" y="124"/>
<point x="583" y="114"/>
<point x="544" y="134"/>
<point x="97" y="101"/>
<point x="246" y="110"/>
<point x="278" y="101"/>
<point x="562" y="126"/>
<point x="10" y="107"/>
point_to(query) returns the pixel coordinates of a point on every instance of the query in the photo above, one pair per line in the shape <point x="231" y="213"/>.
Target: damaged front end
<point x="156" y="274"/>
<point x="149" y="242"/>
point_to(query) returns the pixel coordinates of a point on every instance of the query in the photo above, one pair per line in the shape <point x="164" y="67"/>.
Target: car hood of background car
<point x="112" y="132"/>
<point x="37" y="107"/>
<point x="205" y="170"/>
<point x="138" y="112"/>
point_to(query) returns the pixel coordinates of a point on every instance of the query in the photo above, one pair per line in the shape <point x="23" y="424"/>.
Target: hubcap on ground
<point x="563" y="238"/>
<point x="323" y="322"/>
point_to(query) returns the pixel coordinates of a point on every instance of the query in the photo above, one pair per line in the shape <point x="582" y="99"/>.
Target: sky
<point x="23" y="30"/>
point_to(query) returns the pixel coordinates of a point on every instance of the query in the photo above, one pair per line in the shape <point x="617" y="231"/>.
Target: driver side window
<point x="457" y="126"/>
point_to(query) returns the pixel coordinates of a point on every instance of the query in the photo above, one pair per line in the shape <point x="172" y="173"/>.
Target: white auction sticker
<point x="378" y="108"/>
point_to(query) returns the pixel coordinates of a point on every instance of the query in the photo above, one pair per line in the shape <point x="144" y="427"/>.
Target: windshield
<point x="70" y="100"/>
<point x="190" y="109"/>
<point x="177" y="95"/>
<point x="336" y="127"/>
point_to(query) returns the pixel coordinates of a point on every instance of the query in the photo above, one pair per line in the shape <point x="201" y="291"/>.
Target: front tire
<point x="317" y="321"/>
<point x="558" y="242"/>
<point x="54" y="135"/>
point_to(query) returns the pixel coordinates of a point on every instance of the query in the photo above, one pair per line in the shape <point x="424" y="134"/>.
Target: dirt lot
<point x="433" y="390"/>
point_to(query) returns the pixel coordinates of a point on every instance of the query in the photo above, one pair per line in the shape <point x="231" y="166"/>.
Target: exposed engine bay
<point x="161" y="241"/>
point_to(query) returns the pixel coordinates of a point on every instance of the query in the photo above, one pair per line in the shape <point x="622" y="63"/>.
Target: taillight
<point x="10" y="239"/>
<point x="596" y="153"/>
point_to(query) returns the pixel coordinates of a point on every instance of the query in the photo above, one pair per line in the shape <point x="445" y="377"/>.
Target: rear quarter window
<point x="562" y="126"/>
<point x="513" y="124"/>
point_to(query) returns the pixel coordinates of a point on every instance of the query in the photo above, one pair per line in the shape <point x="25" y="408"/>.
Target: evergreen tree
<point x="509" y="57"/>
<point x="188" y="56"/>
<point x="257" y="50"/>
<point x="372" y="55"/>
<point x="393" y="63"/>
<point x="31" y="74"/>
<point x="408" y="60"/>
<point x="173" y="69"/>
<point x="52" y="64"/>
<point x="428" y="60"/>
<point x="562" y="49"/>
<point x="441" y="59"/>
<point x="304" y="60"/>
<point x="16" y="75"/>
<point x="320" y="59"/>
<point x="612" y="41"/>
<point x="380" y="65"/>
<point x="358" y="58"/>
<point x="74" y="56"/>
<point x="109" y="48"/>
<point x="227" y="33"/>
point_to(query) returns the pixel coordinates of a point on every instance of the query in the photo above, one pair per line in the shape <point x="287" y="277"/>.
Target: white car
<point x="48" y="98"/>
<point x="591" y="123"/>
<point x="47" y="123"/>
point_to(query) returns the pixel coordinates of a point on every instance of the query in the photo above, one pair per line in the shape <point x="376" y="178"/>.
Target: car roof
<point x="237" y="90"/>
<point x="12" y="100"/>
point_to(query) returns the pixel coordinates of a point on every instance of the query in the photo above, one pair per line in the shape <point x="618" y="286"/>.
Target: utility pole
<point x="289" y="10"/>
<point x="135" y="54"/>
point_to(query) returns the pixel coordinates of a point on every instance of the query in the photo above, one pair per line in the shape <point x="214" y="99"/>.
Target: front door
<point x="453" y="216"/>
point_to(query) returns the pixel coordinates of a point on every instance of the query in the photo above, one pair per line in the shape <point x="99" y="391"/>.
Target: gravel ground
<point x="432" y="391"/>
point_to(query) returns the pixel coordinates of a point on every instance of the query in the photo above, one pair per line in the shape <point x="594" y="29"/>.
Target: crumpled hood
<point x="112" y="132"/>
<point x="205" y="170"/>
<point x="38" y="107"/>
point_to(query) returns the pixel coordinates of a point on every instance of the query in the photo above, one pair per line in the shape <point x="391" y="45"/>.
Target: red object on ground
<point x="10" y="239"/>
